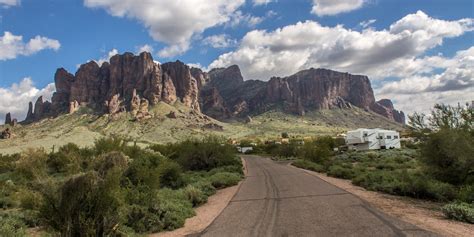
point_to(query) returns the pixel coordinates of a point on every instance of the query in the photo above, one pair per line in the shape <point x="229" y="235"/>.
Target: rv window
<point x="389" y="137"/>
<point x="396" y="137"/>
<point x="365" y="134"/>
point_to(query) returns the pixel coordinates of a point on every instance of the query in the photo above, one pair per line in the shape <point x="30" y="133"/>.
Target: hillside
<point x="83" y="127"/>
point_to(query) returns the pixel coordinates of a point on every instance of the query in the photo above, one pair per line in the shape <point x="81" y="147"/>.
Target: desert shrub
<point x="174" y="208"/>
<point x="109" y="144"/>
<point x="111" y="162"/>
<point x="460" y="211"/>
<point x="304" y="164"/>
<point x="86" y="204"/>
<point x="12" y="226"/>
<point x="32" y="164"/>
<point x="227" y="168"/>
<point x="224" y="179"/>
<point x="318" y="152"/>
<point x="206" y="187"/>
<point x="466" y="193"/>
<point x="67" y="160"/>
<point x="7" y="163"/>
<point x="195" y="195"/>
<point x="340" y="172"/>
<point x="447" y="154"/>
<point x="144" y="170"/>
<point x="206" y="154"/>
<point x="170" y="174"/>
<point x="29" y="199"/>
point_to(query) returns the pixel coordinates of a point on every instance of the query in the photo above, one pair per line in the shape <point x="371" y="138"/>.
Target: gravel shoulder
<point x="424" y="214"/>
<point x="206" y="213"/>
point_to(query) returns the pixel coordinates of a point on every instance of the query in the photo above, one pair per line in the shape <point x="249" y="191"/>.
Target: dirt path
<point x="423" y="214"/>
<point x="206" y="213"/>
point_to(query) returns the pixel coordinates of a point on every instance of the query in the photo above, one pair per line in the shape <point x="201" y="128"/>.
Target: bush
<point x="341" y="172"/>
<point x="170" y="175"/>
<point x="206" y="187"/>
<point x="447" y="154"/>
<point x="174" y="208"/>
<point x="460" y="211"/>
<point x="144" y="170"/>
<point x="304" y="164"/>
<point x="466" y="193"/>
<point x="12" y="226"/>
<point x="32" y="165"/>
<point x="224" y="179"/>
<point x="206" y="154"/>
<point x="195" y="195"/>
<point x="86" y="204"/>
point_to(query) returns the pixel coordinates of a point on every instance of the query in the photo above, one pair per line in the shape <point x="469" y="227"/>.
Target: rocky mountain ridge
<point x="132" y="83"/>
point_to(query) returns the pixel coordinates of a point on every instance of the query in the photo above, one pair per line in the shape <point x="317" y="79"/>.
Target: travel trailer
<point x="372" y="139"/>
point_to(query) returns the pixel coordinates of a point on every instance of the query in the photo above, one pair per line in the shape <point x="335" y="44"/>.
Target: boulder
<point x="171" y="115"/>
<point x="6" y="134"/>
<point x="134" y="103"/>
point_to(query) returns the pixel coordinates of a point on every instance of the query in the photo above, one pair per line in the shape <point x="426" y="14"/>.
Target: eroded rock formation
<point x="133" y="83"/>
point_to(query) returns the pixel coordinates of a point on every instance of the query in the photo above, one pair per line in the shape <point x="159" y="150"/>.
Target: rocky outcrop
<point x="8" y="119"/>
<point x="133" y="83"/>
<point x="6" y="134"/>
<point x="312" y="89"/>
<point x="126" y="80"/>
<point x="385" y="108"/>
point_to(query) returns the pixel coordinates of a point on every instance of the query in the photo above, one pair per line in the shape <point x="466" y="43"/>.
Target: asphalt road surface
<point x="280" y="200"/>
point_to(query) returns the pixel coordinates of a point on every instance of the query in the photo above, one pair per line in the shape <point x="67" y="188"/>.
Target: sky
<point x="416" y="52"/>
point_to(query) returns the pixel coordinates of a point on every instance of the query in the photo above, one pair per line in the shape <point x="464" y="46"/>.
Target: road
<point x="276" y="199"/>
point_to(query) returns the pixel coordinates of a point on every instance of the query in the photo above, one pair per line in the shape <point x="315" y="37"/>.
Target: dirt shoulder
<point x="424" y="214"/>
<point x="206" y="213"/>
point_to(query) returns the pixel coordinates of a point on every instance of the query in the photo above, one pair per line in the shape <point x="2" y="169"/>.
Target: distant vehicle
<point x="372" y="139"/>
<point x="244" y="149"/>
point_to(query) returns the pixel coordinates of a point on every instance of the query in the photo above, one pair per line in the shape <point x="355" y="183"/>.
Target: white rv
<point x="372" y="139"/>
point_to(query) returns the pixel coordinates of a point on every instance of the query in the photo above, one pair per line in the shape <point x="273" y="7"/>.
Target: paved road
<point x="280" y="200"/>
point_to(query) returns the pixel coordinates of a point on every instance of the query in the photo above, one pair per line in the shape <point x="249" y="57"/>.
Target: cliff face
<point x="311" y="89"/>
<point x="132" y="83"/>
<point x="109" y="88"/>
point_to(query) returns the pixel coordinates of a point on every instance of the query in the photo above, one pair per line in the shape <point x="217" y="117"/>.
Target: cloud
<point x="367" y="23"/>
<point x="334" y="7"/>
<point x="239" y="18"/>
<point x="172" y="22"/>
<point x="11" y="46"/>
<point x="262" y="2"/>
<point x="9" y="3"/>
<point x="219" y="41"/>
<point x="145" y="48"/>
<point x="15" y="98"/>
<point x="106" y="58"/>
<point x="396" y="51"/>
<point x="420" y="92"/>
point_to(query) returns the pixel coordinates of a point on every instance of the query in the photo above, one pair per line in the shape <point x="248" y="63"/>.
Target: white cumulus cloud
<point x="172" y="22"/>
<point x="334" y="7"/>
<point x="219" y="41"/>
<point x="455" y="84"/>
<point x="397" y="51"/>
<point x="11" y="46"/>
<point x="15" y="99"/>
<point x="145" y="48"/>
<point x="9" y="3"/>
<point x="262" y="2"/>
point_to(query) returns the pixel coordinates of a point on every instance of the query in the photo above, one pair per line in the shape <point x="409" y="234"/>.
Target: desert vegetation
<point x="114" y="188"/>
<point x="439" y="166"/>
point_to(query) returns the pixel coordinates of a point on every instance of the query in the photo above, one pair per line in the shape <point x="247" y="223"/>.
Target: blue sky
<point x="246" y="33"/>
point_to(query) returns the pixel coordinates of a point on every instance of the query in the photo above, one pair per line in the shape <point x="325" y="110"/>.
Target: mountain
<point x="132" y="83"/>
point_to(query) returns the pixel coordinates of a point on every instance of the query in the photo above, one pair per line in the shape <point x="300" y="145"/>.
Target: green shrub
<point x="32" y="165"/>
<point x="144" y="170"/>
<point x="170" y="175"/>
<point x="12" y="226"/>
<point x="111" y="162"/>
<point x="466" y="193"/>
<point x="460" y="211"/>
<point x="195" y="195"/>
<point x="174" y="208"/>
<point x="109" y="144"/>
<point x="224" y="179"/>
<point x="304" y="164"/>
<point x="447" y="155"/>
<point x="86" y="204"/>
<point x="228" y="168"/>
<point x="206" y="187"/>
<point x="341" y="172"/>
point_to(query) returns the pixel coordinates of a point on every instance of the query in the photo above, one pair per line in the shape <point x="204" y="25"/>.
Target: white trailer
<point x="372" y="139"/>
